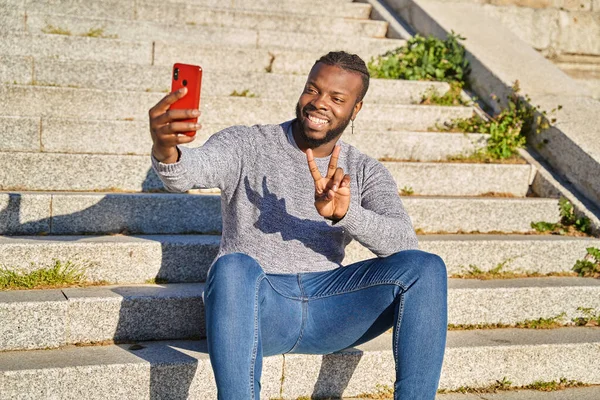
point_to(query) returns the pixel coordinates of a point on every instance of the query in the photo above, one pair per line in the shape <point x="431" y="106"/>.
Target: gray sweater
<point x="267" y="199"/>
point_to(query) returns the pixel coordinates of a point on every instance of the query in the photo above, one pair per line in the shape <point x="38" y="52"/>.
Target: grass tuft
<point x="55" y="30"/>
<point x="58" y="274"/>
<point x="505" y="384"/>
<point x="243" y="93"/>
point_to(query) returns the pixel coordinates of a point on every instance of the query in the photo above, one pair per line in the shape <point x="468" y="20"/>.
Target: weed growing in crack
<point x="407" y="191"/>
<point x="570" y="222"/>
<point x="505" y="384"/>
<point x="55" y="30"/>
<point x="243" y="93"/>
<point x="591" y="317"/>
<point x="590" y="265"/>
<point x="453" y="97"/>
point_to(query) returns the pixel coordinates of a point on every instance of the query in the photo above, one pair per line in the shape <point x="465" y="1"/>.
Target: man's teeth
<point x="317" y="120"/>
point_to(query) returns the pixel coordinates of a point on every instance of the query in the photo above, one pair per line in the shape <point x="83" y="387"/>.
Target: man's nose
<point x="319" y="102"/>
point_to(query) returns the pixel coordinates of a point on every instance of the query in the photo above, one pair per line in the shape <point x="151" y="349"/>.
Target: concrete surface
<point x="182" y="367"/>
<point x="186" y="258"/>
<point x="67" y="213"/>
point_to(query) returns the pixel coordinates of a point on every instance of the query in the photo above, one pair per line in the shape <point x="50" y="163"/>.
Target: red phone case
<point x="189" y="76"/>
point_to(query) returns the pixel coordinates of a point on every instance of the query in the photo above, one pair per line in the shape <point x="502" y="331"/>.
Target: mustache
<point x="310" y="107"/>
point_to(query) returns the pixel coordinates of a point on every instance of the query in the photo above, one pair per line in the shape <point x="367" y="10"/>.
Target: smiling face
<point x="326" y="106"/>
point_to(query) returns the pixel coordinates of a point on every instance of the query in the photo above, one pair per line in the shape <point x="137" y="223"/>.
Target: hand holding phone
<point x="174" y="119"/>
<point x="190" y="77"/>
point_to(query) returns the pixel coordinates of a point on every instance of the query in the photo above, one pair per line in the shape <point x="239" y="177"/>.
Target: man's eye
<point x="338" y="100"/>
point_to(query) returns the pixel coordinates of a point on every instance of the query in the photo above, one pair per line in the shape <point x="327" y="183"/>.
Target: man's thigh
<point x="280" y="313"/>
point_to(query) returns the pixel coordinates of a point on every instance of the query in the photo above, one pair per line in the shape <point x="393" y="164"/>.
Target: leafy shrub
<point x="428" y="59"/>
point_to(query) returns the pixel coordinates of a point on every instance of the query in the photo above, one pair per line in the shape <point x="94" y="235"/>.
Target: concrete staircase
<point x="77" y="186"/>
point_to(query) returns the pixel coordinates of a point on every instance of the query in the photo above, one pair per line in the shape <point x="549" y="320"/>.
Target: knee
<point x="234" y="271"/>
<point x="427" y="266"/>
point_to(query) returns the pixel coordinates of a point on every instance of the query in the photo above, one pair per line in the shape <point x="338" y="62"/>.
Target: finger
<point x="177" y="127"/>
<point x="312" y="166"/>
<point x="337" y="179"/>
<point x="333" y="161"/>
<point x="345" y="181"/>
<point x="174" y="115"/>
<point x="163" y="105"/>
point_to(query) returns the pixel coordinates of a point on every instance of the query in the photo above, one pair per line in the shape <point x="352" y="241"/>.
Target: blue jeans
<point x="251" y="314"/>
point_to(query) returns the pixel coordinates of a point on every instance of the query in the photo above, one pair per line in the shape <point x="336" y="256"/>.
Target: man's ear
<point x="357" y="108"/>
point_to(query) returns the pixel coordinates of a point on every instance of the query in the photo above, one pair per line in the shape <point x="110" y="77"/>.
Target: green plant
<point x="54" y="275"/>
<point x="424" y="58"/>
<point x="407" y="191"/>
<point x="590" y="317"/>
<point x="542" y="323"/>
<point x="51" y="29"/>
<point x="569" y="221"/>
<point x="98" y="33"/>
<point x="590" y="265"/>
<point x="570" y="218"/>
<point x="453" y="97"/>
<point x="552" y="386"/>
<point x="243" y="93"/>
<point x="508" y="128"/>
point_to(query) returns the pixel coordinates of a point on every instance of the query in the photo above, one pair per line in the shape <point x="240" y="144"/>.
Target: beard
<point x="329" y="136"/>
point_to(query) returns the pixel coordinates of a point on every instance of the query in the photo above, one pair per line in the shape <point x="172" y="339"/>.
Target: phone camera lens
<point x="184" y="82"/>
<point x="176" y="74"/>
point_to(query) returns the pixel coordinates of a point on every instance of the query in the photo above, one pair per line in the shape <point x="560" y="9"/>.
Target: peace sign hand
<point x="332" y="192"/>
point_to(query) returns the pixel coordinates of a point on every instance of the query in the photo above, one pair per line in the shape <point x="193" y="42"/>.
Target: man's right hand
<point x="167" y="128"/>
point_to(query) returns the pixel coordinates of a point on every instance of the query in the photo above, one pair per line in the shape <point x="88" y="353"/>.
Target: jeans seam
<point x="280" y="293"/>
<point x="397" y="332"/>
<point x="304" y="312"/>
<point x="255" y="344"/>
<point x="387" y="282"/>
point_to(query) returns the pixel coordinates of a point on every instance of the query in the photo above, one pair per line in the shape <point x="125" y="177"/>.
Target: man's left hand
<point x="332" y="192"/>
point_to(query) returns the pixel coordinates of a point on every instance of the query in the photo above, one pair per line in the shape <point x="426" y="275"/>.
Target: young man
<point x="293" y="196"/>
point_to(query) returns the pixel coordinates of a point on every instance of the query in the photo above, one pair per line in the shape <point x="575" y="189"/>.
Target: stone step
<point x="115" y="173"/>
<point x="55" y="135"/>
<point x="154" y="9"/>
<point x="89" y="104"/>
<point x="24" y="70"/>
<point x="32" y="213"/>
<point x="212" y="35"/>
<point x="14" y="21"/>
<point x="76" y="48"/>
<point x="175" y="311"/>
<point x="186" y="258"/>
<point x="576" y="393"/>
<point x="181" y="369"/>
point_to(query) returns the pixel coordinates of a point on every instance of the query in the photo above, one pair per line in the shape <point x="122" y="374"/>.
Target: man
<point x="277" y="285"/>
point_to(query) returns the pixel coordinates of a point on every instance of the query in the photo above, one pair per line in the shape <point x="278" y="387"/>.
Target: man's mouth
<point x="316" y="120"/>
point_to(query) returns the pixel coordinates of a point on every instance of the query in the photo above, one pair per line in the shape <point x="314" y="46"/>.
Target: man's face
<point x="328" y="103"/>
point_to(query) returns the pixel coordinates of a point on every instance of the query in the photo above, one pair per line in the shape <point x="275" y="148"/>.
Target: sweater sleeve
<point x="379" y="222"/>
<point x="216" y="164"/>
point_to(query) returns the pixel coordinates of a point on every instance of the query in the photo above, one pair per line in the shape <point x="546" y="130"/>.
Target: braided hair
<point x="348" y="62"/>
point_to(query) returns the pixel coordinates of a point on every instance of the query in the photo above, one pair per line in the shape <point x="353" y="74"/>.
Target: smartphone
<point x="189" y="76"/>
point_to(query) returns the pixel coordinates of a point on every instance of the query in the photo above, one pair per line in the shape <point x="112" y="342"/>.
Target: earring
<point x="353" y="127"/>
